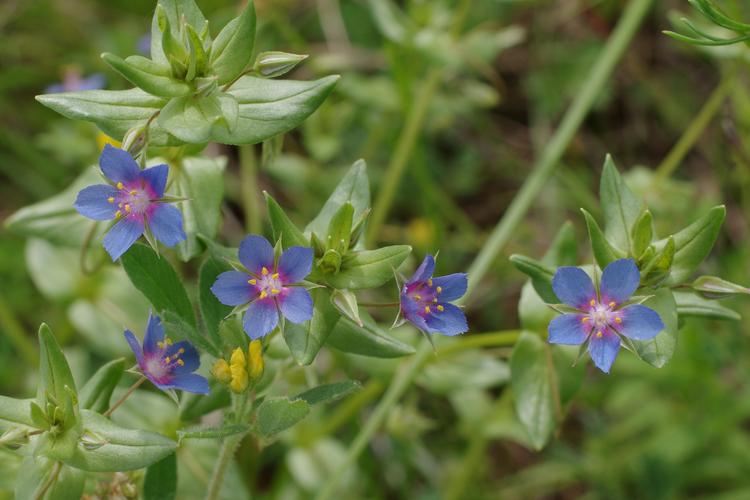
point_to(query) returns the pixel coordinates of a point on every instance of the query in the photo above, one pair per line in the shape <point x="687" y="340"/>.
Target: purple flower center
<point x="426" y="297"/>
<point x="158" y="365"/>
<point x="134" y="200"/>
<point x="267" y="284"/>
<point x="602" y="316"/>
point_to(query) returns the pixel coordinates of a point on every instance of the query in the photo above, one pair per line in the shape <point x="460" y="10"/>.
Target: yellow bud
<point x="255" y="355"/>
<point x="221" y="371"/>
<point x="238" y="359"/>
<point x="239" y="379"/>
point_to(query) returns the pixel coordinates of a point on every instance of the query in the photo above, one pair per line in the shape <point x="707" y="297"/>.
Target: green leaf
<point x="620" y="206"/>
<point x="659" y="350"/>
<point x="271" y="107"/>
<point x="563" y="251"/>
<point x="113" y="111"/>
<point x="54" y="372"/>
<point x="175" y="11"/>
<point x="530" y="380"/>
<point x="354" y="188"/>
<point x="643" y="232"/>
<point x="604" y="253"/>
<point x="34" y="474"/>
<point x="176" y="328"/>
<point x="306" y="339"/>
<point x="369" y="340"/>
<point x="192" y="118"/>
<point x="690" y="304"/>
<point x="327" y="393"/>
<point x="161" y="479"/>
<point x="212" y="311"/>
<point x="201" y="181"/>
<point x="55" y="219"/>
<point x="233" y="47"/>
<point x="15" y="413"/>
<point x="155" y="278"/>
<point x="194" y="406"/>
<point x="658" y="267"/>
<point x="693" y="244"/>
<point x="123" y="449"/>
<point x="712" y="287"/>
<point x="203" y="432"/>
<point x="340" y="228"/>
<point x="97" y="391"/>
<point x="278" y="414"/>
<point x="346" y="303"/>
<point x="540" y="274"/>
<point x="142" y="73"/>
<point x="369" y="268"/>
<point x="283" y="228"/>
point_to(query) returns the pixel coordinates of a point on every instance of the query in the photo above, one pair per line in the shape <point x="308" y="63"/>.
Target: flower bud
<point x="255" y="356"/>
<point x="273" y="64"/>
<point x="221" y="371"/>
<point x="238" y="369"/>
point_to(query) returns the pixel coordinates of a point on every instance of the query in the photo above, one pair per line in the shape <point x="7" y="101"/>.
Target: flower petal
<point x="619" y="280"/>
<point x="189" y="357"/>
<point x="122" y="236"/>
<point x="117" y="165"/>
<point x="453" y="286"/>
<point x="295" y="264"/>
<point x="92" y="202"/>
<point x="573" y="286"/>
<point x="409" y="308"/>
<point x="261" y="318"/>
<point x="135" y="346"/>
<point x="424" y="271"/>
<point x="232" y="288"/>
<point x="296" y="304"/>
<point x="604" y="349"/>
<point x="256" y="253"/>
<point x="640" y="322"/>
<point x="166" y="224"/>
<point x="568" y="329"/>
<point x="154" y="334"/>
<point x="189" y="382"/>
<point x="156" y="178"/>
<point x="450" y="321"/>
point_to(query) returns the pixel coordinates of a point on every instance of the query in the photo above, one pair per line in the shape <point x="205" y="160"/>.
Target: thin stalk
<point x="400" y="158"/>
<point x="379" y="304"/>
<point x="250" y="190"/>
<point x="550" y="157"/>
<point x="228" y="447"/>
<point x="695" y="129"/>
<point x="495" y="339"/>
<point x="51" y="480"/>
<point x="125" y="396"/>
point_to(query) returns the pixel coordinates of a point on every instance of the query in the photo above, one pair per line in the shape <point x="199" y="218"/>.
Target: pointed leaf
<point x="367" y="340"/>
<point x="54" y="372"/>
<point x="278" y="414"/>
<point x="97" y="391"/>
<point x="604" y="253"/>
<point x="161" y="479"/>
<point x="659" y="350"/>
<point x="369" y="268"/>
<point x="283" y="228"/>
<point x="306" y="339"/>
<point x="690" y="304"/>
<point x="354" y="188"/>
<point x="233" y="47"/>
<point x="212" y="311"/>
<point x="620" y="206"/>
<point x="328" y="393"/>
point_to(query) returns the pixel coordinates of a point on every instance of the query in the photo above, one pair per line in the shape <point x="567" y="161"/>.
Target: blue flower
<point x="72" y="82"/>
<point x="425" y="300"/>
<point x="601" y="317"/>
<point x="169" y="365"/>
<point x="134" y="198"/>
<point x="268" y="288"/>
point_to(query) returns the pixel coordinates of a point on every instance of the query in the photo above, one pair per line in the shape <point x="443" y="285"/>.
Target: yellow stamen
<point x="111" y="199"/>
<point x="264" y="271"/>
<point x="181" y="350"/>
<point x="618" y="320"/>
<point x="120" y="185"/>
<point x="592" y="303"/>
<point x="160" y="345"/>
<point x="133" y="191"/>
<point x="167" y="359"/>
<point x="119" y="205"/>
<point x="611" y="304"/>
<point x="418" y="297"/>
<point x="441" y="308"/>
<point x="169" y="341"/>
<point x="275" y="291"/>
<point x="118" y="214"/>
<point x="435" y="300"/>
<point x="180" y="362"/>
<point x="263" y="294"/>
<point x="275" y="276"/>
<point x="429" y="282"/>
<point x="585" y="319"/>
<point x="599" y="335"/>
<point x="427" y="309"/>
<point x="439" y="289"/>
<point x="252" y="281"/>
<point x="127" y="208"/>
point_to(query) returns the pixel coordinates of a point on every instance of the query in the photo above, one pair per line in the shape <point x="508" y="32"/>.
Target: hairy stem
<point x="125" y="396"/>
<point x="228" y="447"/>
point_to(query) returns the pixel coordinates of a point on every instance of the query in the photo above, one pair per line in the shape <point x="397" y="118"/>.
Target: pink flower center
<point x="602" y="316"/>
<point x="133" y="200"/>
<point x="425" y="294"/>
<point x="268" y="284"/>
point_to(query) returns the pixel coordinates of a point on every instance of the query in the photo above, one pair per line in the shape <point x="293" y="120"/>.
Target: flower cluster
<point x="267" y="287"/>
<point x="425" y="300"/>
<point x="241" y="371"/>
<point x="134" y="198"/>
<point x="602" y="316"/>
<point x="167" y="364"/>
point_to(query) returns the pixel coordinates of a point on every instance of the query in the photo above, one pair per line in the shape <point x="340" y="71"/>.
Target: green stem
<point x="250" y="191"/>
<point x="550" y="156"/>
<point x="495" y="339"/>
<point x="125" y="396"/>
<point x="695" y="129"/>
<point x="228" y="447"/>
<point x="401" y="156"/>
<point x="379" y="304"/>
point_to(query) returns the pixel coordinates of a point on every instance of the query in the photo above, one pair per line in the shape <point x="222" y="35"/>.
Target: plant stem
<point x="249" y="189"/>
<point x="550" y="156"/>
<point x="125" y="396"/>
<point x="400" y="158"/>
<point x="54" y="473"/>
<point x="695" y="129"/>
<point x="228" y="447"/>
<point x="494" y="339"/>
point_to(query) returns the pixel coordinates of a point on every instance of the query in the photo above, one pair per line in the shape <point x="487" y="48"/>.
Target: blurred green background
<point x="497" y="74"/>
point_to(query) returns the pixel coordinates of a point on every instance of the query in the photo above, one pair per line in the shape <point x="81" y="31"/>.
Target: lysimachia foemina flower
<point x="169" y="365"/>
<point x="73" y="82"/>
<point x="135" y="199"/>
<point x="268" y="287"/>
<point x="425" y="300"/>
<point x="602" y="315"/>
